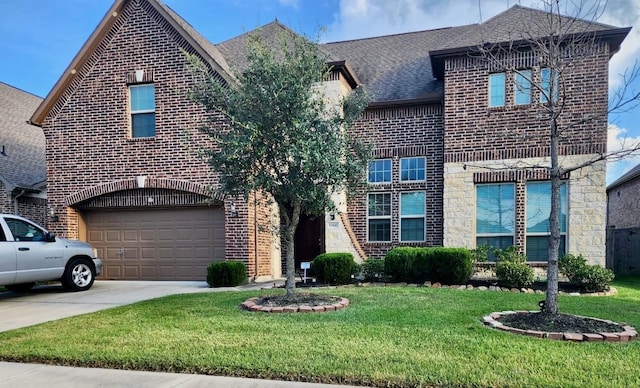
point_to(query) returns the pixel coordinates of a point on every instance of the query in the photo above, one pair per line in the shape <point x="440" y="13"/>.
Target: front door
<point x="309" y="239"/>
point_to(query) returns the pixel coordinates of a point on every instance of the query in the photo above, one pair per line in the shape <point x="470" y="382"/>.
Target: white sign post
<point x="305" y="265"/>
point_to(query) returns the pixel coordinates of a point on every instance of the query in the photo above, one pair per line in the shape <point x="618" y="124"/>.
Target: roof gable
<point x="101" y="34"/>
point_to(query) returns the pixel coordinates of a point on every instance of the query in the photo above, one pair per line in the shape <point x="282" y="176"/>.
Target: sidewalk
<point x="38" y="375"/>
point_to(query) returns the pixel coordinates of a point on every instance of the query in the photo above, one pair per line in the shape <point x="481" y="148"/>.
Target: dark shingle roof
<point x="23" y="162"/>
<point x="398" y="67"/>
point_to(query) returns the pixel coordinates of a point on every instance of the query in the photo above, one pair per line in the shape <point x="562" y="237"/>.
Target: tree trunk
<point x="554" y="226"/>
<point x="290" y="232"/>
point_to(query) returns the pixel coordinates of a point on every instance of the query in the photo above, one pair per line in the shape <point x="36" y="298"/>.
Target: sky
<point x="39" y="38"/>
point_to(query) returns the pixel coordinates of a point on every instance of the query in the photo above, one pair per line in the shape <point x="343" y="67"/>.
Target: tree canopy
<point x="278" y="132"/>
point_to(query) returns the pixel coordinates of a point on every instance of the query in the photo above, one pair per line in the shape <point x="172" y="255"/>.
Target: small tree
<point x="283" y="137"/>
<point x="558" y="41"/>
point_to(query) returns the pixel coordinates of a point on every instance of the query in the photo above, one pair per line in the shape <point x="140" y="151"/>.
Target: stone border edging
<point x="629" y="334"/>
<point x="469" y="287"/>
<point x="250" y="305"/>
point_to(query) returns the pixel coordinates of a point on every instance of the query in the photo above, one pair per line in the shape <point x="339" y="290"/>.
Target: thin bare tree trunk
<point x="554" y="225"/>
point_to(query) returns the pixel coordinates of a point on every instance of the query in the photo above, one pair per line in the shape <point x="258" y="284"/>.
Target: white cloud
<point x="619" y="139"/>
<point x="290" y="3"/>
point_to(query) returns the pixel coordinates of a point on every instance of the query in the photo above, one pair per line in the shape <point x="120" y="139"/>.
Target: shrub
<point x="398" y="263"/>
<point x="334" y="268"/>
<point x="226" y="273"/>
<point x="514" y="274"/>
<point x="445" y="265"/>
<point x="589" y="278"/>
<point x="481" y="253"/>
<point x="511" y="253"/>
<point x="570" y="265"/>
<point x="512" y="269"/>
<point x="418" y="264"/>
<point x="593" y="278"/>
<point x="373" y="270"/>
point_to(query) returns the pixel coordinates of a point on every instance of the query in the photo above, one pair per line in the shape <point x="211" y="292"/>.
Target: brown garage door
<point x="161" y="244"/>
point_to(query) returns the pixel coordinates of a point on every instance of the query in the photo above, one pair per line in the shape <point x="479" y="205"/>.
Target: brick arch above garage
<point x="139" y="184"/>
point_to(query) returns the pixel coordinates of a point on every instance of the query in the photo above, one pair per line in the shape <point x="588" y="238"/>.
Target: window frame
<point x="416" y="216"/>
<point x="564" y="209"/>
<point x="417" y="170"/>
<point x="522" y="87"/>
<point x="379" y="217"/>
<point x="383" y="171"/>
<point x="135" y="112"/>
<point x="494" y="88"/>
<point x="486" y="235"/>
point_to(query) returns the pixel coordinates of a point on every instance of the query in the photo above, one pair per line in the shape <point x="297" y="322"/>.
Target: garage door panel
<point x="112" y="235"/>
<point x="161" y="244"/>
<point x="148" y="235"/>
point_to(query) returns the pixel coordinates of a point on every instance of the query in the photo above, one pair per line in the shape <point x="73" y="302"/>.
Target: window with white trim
<point x="496" y="89"/>
<point x="495" y="215"/>
<point x="379" y="171"/>
<point x="142" y="107"/>
<point x="412" y="169"/>
<point x="538" y="211"/>
<point x="522" y="87"/>
<point x="412" y="216"/>
<point x="379" y="217"/>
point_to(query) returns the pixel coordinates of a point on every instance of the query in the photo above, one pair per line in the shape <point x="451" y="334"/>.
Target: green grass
<point x="391" y="336"/>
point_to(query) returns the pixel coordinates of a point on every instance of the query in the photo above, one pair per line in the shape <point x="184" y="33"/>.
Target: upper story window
<point x="143" y="110"/>
<point x="496" y="89"/>
<point x="495" y="215"/>
<point x="379" y="171"/>
<point x="547" y="88"/>
<point x="412" y="169"/>
<point x="522" y="87"/>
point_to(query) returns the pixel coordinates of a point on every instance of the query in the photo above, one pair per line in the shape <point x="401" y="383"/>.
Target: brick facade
<point x="624" y="205"/>
<point x="397" y="132"/>
<point x="439" y="112"/>
<point x="90" y="153"/>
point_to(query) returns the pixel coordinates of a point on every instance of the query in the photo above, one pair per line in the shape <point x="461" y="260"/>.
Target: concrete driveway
<point x="50" y="302"/>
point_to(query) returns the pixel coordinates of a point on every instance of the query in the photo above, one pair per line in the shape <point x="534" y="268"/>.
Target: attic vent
<point x="139" y="76"/>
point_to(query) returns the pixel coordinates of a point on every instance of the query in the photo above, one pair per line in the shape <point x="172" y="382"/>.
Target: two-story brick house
<point x="122" y="142"/>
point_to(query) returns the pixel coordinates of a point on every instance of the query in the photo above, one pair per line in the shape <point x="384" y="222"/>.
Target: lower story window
<point x="379" y="217"/>
<point x="412" y="216"/>
<point x="538" y="211"/>
<point x="495" y="215"/>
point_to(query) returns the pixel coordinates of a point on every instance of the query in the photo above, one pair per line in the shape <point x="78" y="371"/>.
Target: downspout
<point x="255" y="234"/>
<point x="15" y="202"/>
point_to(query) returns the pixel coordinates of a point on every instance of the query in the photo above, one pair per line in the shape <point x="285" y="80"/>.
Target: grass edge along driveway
<point x="388" y="336"/>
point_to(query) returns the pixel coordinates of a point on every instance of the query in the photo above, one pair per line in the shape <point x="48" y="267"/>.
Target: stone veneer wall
<point x="586" y="196"/>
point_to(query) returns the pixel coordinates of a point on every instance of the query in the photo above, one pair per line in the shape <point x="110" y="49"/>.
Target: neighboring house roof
<point x="398" y="68"/>
<point x="22" y="160"/>
<point x="629" y="176"/>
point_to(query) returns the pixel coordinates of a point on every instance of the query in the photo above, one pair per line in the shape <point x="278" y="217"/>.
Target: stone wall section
<point x="586" y="212"/>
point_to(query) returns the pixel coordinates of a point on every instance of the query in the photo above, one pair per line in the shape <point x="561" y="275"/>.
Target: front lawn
<point x="391" y="336"/>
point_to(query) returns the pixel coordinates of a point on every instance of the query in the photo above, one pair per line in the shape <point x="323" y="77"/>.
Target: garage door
<point x="161" y="244"/>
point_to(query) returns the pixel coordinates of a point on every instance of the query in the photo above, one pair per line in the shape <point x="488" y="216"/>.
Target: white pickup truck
<point x="30" y="254"/>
